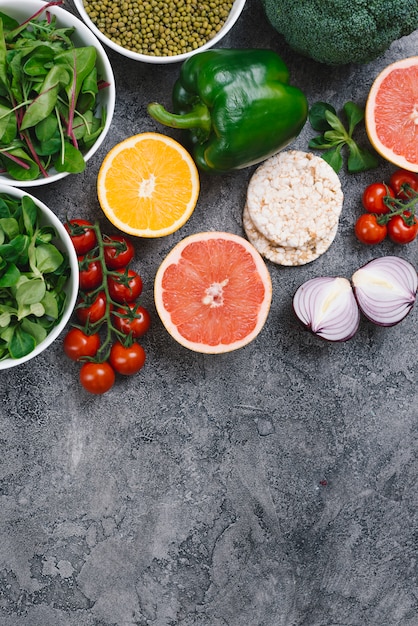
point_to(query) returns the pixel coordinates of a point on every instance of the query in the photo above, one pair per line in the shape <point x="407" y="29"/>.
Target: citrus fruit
<point x="213" y="292"/>
<point x="148" y="185"/>
<point x="391" y="114"/>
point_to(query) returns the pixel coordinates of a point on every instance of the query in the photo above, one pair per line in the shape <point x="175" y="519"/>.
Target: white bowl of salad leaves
<point x="38" y="277"/>
<point x="57" y="93"/>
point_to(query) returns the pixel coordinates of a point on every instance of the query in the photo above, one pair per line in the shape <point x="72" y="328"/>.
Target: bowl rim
<point x="66" y="244"/>
<point x="232" y="18"/>
<point x="82" y="32"/>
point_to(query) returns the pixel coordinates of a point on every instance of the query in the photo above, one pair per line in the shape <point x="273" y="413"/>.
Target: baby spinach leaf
<point x="9" y="227"/>
<point x="44" y="234"/>
<point x="48" y="258"/>
<point x="11" y="252"/>
<point x="10" y="276"/>
<point x="21" y="344"/>
<point x="73" y="160"/>
<point x="30" y="214"/>
<point x="335" y="137"/>
<point x="354" y="115"/>
<point x="79" y="62"/>
<point x="16" y="169"/>
<point x="37" y="331"/>
<point x="5" y="319"/>
<point x="49" y="302"/>
<point x="38" y="63"/>
<point x="47" y="128"/>
<point x="89" y="91"/>
<point x="317" y="115"/>
<point x="8" y="124"/>
<point x="3" y="56"/>
<point x="30" y="291"/>
<point x="44" y="104"/>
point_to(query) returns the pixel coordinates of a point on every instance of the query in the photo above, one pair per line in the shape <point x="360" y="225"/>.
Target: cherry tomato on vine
<point x="399" y="231"/>
<point x="127" y="360"/>
<point x="84" y="238"/>
<point x="119" y="255"/>
<point x="77" y="344"/>
<point x="97" y="378"/>
<point x="368" y="230"/>
<point x="403" y="177"/>
<point x="136" y="321"/>
<point x="93" y="312"/>
<point x="90" y="273"/>
<point x="373" y="195"/>
<point x="125" y="288"/>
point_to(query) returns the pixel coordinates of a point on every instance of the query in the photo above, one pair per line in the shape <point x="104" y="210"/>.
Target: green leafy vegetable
<point x="33" y="275"/>
<point x="48" y="98"/>
<point x="335" y="137"/>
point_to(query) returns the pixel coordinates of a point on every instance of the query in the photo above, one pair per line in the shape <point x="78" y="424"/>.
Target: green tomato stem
<point x="111" y="331"/>
<point x="398" y="207"/>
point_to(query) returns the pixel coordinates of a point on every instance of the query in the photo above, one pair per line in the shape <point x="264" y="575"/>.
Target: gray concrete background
<point x="272" y="486"/>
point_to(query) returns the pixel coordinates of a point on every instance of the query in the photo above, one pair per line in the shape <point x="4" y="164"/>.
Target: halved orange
<point x="213" y="292"/>
<point x="148" y="185"/>
<point x="391" y="115"/>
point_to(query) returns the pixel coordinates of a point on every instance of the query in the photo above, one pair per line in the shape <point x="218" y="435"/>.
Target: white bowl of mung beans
<point x="160" y="31"/>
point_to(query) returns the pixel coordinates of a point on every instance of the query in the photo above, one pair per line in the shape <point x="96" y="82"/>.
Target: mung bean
<point x="157" y="28"/>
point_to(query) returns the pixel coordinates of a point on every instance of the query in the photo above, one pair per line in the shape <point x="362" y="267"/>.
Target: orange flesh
<point x="398" y="94"/>
<point x="155" y="187"/>
<point x="214" y="293"/>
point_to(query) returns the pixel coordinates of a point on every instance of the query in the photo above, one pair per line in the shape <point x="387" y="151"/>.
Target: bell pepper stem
<point x="198" y="117"/>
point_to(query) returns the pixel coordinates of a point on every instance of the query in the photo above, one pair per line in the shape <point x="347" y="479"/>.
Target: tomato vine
<point x="108" y="307"/>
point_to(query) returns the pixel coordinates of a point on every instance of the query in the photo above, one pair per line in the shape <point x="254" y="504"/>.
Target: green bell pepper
<point x="237" y="105"/>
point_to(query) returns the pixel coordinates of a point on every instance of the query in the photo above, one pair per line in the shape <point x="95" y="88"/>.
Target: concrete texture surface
<point x="272" y="486"/>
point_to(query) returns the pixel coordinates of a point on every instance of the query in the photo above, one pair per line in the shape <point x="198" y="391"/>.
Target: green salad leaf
<point x="33" y="275"/>
<point x="335" y="137"/>
<point x="48" y="98"/>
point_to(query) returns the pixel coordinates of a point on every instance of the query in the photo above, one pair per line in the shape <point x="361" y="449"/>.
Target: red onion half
<point x="327" y="307"/>
<point x="385" y="289"/>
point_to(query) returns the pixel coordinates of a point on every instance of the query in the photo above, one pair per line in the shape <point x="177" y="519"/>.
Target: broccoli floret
<point x="336" y="32"/>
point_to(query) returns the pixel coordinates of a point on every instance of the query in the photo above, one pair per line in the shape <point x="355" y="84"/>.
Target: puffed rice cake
<point x="286" y="255"/>
<point x="294" y="199"/>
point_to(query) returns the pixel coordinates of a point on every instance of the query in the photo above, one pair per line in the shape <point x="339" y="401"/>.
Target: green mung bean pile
<point x="156" y="27"/>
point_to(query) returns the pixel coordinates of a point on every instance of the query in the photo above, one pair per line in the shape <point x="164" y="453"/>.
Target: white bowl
<point x="83" y="36"/>
<point x="177" y="58"/>
<point x="63" y="243"/>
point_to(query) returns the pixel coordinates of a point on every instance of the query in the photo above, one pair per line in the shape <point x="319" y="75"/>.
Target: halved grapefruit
<point x="391" y="115"/>
<point x="213" y="292"/>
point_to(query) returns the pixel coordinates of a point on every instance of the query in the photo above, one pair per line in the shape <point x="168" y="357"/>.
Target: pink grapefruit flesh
<point x="391" y="115"/>
<point x="213" y="292"/>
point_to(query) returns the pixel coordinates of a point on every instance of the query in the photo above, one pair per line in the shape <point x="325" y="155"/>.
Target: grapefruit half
<point x="391" y="114"/>
<point x="213" y="292"/>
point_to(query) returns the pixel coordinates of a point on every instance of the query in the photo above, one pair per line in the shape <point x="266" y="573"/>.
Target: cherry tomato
<point x="403" y="177"/>
<point x="373" y="196"/>
<point x="399" y="231"/>
<point x="77" y="344"/>
<point x="90" y="274"/>
<point x="126" y="288"/>
<point x="127" y="360"/>
<point x="97" y="377"/>
<point x="84" y="238"/>
<point x="136" y="321"/>
<point x="368" y="230"/>
<point x="119" y="255"/>
<point x="93" y="312"/>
